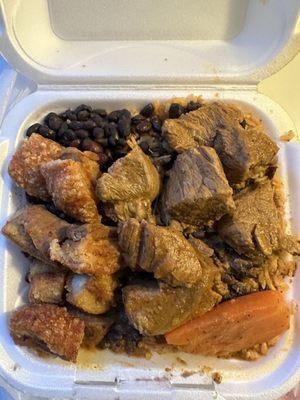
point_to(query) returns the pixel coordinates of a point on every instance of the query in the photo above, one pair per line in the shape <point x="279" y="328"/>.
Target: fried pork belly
<point x="93" y="295"/>
<point x="71" y="189"/>
<point x="129" y="187"/>
<point x="47" y="327"/>
<point x="90" y="249"/>
<point x="46" y="283"/>
<point x="24" y="167"/>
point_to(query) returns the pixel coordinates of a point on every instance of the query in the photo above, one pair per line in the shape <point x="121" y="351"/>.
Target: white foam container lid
<point x="114" y="54"/>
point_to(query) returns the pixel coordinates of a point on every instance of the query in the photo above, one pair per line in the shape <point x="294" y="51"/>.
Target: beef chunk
<point x="245" y="154"/>
<point x="95" y="326"/>
<point x="71" y="189"/>
<point x="160" y="250"/>
<point x="129" y="187"/>
<point x="90" y="249"/>
<point x="46" y="283"/>
<point x="199" y="127"/>
<point x="155" y="308"/>
<point x="197" y="190"/>
<point x="48" y="327"/>
<point x="93" y="295"/>
<point x="254" y="227"/>
<point x="24" y="167"/>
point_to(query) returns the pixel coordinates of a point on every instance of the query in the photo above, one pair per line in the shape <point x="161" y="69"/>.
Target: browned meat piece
<point x="95" y="326"/>
<point x="254" y="227"/>
<point x="197" y="190"/>
<point x="71" y="189"/>
<point x="129" y="187"/>
<point x="89" y="161"/>
<point x="48" y="327"/>
<point x="156" y="308"/>
<point x="88" y="249"/>
<point x="24" y="167"/>
<point x="198" y="128"/>
<point x="33" y="228"/>
<point x="90" y="294"/>
<point x="42" y="226"/>
<point x="46" y="283"/>
<point x="160" y="250"/>
<point x="244" y="153"/>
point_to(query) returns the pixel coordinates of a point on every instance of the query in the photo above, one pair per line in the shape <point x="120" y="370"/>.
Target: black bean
<point x="137" y="119"/>
<point x="89" y="124"/>
<point x="33" y="129"/>
<point x="98" y="133"/>
<point x="114" y="116"/>
<point x="110" y="129"/>
<point x="124" y="114"/>
<point x="113" y="138"/>
<point x="71" y="115"/>
<point x="144" y="146"/>
<point x="89" y="145"/>
<point x="192" y="106"/>
<point x="54" y="122"/>
<point x="124" y="126"/>
<point x="122" y="142"/>
<point x="46" y="132"/>
<point x="119" y="152"/>
<point x="83" y="115"/>
<point x="156" y="123"/>
<point x="103" y="158"/>
<point x="99" y="121"/>
<point x="64" y="126"/>
<point x="103" y="142"/>
<point x="144" y="126"/>
<point x="175" y="110"/>
<point x="101" y="112"/>
<point x="69" y="135"/>
<point x="63" y="116"/>
<point x="148" y="110"/>
<point x="243" y="123"/>
<point x="75" y="143"/>
<point x="82" y="134"/>
<point x="83" y="107"/>
<point x="48" y="116"/>
<point x="75" y="125"/>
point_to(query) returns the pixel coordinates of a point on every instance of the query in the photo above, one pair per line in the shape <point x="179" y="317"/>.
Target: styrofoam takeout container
<point x="123" y="54"/>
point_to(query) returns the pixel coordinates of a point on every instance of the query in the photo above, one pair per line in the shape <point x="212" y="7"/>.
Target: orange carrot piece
<point x="234" y="325"/>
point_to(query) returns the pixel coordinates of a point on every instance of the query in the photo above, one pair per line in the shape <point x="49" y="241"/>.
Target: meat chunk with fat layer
<point x="90" y="249"/>
<point x="129" y="187"/>
<point x="94" y="295"/>
<point x="46" y="283"/>
<point x="71" y="189"/>
<point x="198" y="128"/>
<point x="160" y="250"/>
<point x="197" y="190"/>
<point x="155" y="308"/>
<point x="24" y="167"/>
<point x="245" y="154"/>
<point x="49" y="328"/>
<point x="254" y="227"/>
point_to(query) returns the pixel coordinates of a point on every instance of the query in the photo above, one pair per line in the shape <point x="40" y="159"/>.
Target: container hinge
<point x="139" y="389"/>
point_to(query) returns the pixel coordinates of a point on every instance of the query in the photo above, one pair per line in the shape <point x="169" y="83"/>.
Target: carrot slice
<point x="234" y="325"/>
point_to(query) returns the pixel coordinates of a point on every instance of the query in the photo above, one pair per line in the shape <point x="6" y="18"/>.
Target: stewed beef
<point x="197" y="190"/>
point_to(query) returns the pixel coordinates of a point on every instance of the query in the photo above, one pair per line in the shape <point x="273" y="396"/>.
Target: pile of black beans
<point x="106" y="134"/>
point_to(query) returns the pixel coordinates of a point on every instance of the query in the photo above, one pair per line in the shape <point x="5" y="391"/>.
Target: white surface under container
<point x="124" y="54"/>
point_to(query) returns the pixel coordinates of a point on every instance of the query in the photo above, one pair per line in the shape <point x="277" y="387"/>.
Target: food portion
<point x="156" y="230"/>
<point x="49" y="328"/>
<point x="197" y="190"/>
<point x="162" y="251"/>
<point x="234" y="325"/>
<point x="129" y="187"/>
